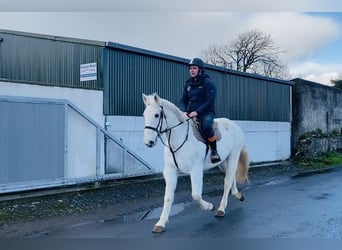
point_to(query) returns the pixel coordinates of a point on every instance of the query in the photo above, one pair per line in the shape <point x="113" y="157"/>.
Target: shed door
<point x="32" y="141"/>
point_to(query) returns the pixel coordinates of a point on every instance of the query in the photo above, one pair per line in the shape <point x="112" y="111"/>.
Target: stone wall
<point x="315" y="146"/>
<point x="315" y="107"/>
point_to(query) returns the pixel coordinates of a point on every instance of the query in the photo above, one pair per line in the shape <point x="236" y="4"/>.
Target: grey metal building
<point x="48" y="60"/>
<point x="123" y="74"/>
<point x="241" y="96"/>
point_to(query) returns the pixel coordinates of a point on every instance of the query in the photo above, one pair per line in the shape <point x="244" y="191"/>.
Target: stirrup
<point x="215" y="157"/>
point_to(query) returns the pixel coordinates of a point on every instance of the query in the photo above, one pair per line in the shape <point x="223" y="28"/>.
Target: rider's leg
<point x="207" y="121"/>
<point x="214" y="155"/>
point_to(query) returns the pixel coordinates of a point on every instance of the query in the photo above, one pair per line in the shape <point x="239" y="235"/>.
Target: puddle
<point x="270" y="183"/>
<point x="81" y="224"/>
<point x="137" y="216"/>
<point x="155" y="213"/>
<point x="312" y="172"/>
<point x="322" y="196"/>
<point x="276" y="182"/>
<point x="145" y="215"/>
<point x="149" y="214"/>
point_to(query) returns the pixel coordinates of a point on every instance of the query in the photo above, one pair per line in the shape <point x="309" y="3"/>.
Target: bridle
<point x="158" y="129"/>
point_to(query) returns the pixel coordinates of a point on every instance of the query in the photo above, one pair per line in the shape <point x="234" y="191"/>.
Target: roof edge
<point x="54" y="38"/>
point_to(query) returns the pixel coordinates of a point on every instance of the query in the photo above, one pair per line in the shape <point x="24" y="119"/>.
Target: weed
<point x="330" y="158"/>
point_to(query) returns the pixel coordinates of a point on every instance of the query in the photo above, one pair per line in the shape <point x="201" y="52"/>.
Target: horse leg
<point x="236" y="192"/>
<point x="196" y="190"/>
<point x="230" y="165"/>
<point x="170" y="177"/>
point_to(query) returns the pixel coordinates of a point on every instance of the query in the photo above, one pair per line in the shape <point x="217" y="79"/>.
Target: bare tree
<point x="252" y="51"/>
<point x="337" y="82"/>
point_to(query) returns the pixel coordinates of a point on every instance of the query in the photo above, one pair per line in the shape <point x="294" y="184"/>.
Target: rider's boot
<point x="214" y="155"/>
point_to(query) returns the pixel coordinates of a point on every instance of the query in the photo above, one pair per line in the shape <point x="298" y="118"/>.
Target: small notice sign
<point x="88" y="72"/>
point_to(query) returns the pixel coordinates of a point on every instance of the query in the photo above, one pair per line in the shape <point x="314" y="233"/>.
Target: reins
<point x="159" y="131"/>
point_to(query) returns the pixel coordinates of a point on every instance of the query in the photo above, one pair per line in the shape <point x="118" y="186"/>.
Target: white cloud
<point x="186" y="34"/>
<point x="183" y="34"/>
<point x="316" y="72"/>
<point x="301" y="35"/>
<point x="170" y="5"/>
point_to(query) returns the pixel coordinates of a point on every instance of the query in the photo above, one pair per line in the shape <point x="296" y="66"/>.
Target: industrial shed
<point x="124" y="72"/>
<point x="241" y="96"/>
<point x="48" y="60"/>
<point x="101" y="117"/>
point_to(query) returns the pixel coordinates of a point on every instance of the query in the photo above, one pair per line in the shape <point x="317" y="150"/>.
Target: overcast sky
<point x="309" y="33"/>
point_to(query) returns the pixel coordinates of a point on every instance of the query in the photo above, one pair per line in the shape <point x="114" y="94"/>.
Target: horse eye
<point x="156" y="115"/>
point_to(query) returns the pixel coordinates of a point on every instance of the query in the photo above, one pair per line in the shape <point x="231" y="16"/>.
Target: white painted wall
<point x="81" y="151"/>
<point x="266" y="141"/>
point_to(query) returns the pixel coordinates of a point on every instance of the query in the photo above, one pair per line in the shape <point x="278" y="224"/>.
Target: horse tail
<point x="243" y="166"/>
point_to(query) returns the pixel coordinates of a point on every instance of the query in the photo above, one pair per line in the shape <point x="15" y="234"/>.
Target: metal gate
<point x="32" y="140"/>
<point x="37" y="146"/>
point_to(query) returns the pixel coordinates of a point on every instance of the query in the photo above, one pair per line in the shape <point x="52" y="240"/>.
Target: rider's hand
<point x="192" y="114"/>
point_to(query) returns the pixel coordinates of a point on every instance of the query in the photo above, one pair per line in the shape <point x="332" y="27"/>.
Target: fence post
<point x="98" y="151"/>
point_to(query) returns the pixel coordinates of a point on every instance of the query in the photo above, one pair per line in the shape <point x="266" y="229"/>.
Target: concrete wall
<point x="81" y="136"/>
<point x="266" y="141"/>
<point x="315" y="106"/>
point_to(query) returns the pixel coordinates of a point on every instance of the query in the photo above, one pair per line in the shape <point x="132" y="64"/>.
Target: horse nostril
<point x="150" y="143"/>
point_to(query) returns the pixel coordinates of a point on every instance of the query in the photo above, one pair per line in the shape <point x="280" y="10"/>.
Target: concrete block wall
<point x="315" y="106"/>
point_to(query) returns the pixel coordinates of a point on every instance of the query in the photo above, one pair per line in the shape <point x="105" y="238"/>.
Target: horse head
<point x="153" y="115"/>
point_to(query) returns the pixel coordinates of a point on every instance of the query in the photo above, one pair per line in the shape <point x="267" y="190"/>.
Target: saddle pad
<point x="198" y="135"/>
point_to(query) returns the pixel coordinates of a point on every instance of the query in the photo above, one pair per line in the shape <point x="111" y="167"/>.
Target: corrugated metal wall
<point x="242" y="96"/>
<point x="125" y="72"/>
<point x="129" y="72"/>
<point x="48" y="60"/>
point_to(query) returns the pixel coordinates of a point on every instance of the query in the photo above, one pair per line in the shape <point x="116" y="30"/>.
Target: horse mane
<point x="174" y="109"/>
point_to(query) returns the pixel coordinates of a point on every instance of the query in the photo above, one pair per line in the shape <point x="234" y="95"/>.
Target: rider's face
<point x="194" y="71"/>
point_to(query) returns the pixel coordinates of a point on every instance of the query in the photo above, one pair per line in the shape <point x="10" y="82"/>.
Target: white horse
<point x="183" y="152"/>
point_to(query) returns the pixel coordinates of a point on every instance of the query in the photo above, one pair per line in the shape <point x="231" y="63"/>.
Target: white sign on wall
<point x="88" y="72"/>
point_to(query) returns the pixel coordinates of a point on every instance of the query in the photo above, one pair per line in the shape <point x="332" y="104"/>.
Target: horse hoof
<point x="219" y="213"/>
<point x="213" y="208"/>
<point x="158" y="229"/>
<point x="242" y="198"/>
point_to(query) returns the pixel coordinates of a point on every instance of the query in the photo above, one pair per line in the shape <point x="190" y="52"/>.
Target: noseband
<point x="159" y="131"/>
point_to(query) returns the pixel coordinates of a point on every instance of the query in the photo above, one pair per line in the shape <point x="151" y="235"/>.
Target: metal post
<point x="98" y="151"/>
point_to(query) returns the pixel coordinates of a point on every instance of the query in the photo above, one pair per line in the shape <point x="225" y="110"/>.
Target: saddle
<point x="199" y="135"/>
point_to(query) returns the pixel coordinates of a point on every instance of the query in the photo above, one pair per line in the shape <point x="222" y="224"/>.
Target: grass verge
<point x="330" y="158"/>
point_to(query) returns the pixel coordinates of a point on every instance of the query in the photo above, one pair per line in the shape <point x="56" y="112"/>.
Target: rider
<point x="198" y="100"/>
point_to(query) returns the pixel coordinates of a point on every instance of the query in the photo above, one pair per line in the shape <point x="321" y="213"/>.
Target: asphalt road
<point x="278" y="204"/>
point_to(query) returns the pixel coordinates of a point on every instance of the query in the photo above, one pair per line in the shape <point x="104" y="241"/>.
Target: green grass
<point x="331" y="158"/>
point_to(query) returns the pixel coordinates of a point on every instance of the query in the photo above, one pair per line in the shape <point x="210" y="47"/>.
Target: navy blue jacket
<point x="199" y="95"/>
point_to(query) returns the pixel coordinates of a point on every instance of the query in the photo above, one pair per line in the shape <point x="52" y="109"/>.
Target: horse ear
<point x="144" y="97"/>
<point x="157" y="98"/>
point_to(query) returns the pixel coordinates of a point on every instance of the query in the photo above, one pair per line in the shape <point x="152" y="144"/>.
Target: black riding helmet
<point x="197" y="62"/>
